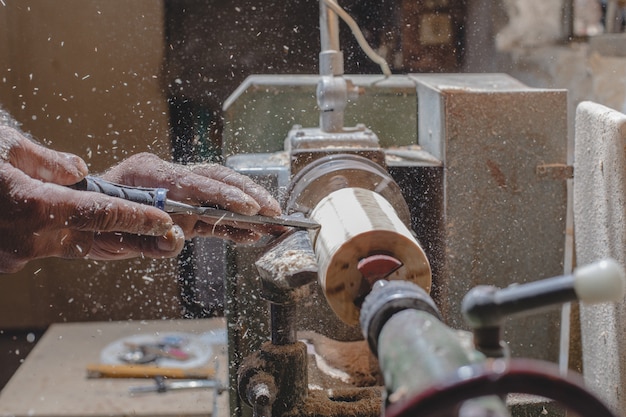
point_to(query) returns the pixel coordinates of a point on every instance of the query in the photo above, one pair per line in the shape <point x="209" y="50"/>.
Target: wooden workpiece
<point x="53" y="380"/>
<point x="357" y="223"/>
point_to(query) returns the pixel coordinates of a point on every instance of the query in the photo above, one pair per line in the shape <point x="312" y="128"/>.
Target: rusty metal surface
<point x="503" y="224"/>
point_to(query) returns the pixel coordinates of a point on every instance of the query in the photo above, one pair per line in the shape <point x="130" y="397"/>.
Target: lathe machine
<point x="425" y="186"/>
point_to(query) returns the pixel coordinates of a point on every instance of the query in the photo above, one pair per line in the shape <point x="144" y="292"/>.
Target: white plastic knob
<point x="600" y="281"/>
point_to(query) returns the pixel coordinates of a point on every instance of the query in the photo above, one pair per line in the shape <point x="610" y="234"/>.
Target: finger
<point x="201" y="190"/>
<point x="87" y="211"/>
<point x="37" y="206"/>
<point x="268" y="206"/>
<point x="73" y="244"/>
<point x="40" y="162"/>
<point x="108" y="246"/>
<point x="148" y="170"/>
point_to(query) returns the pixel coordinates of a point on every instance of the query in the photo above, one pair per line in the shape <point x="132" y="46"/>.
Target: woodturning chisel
<point x="157" y="197"/>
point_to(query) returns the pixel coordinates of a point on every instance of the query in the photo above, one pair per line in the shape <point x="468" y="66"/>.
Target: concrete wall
<point x="85" y="77"/>
<point x="600" y="216"/>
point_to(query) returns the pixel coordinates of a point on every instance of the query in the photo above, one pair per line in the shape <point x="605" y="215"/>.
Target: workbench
<point x="53" y="381"/>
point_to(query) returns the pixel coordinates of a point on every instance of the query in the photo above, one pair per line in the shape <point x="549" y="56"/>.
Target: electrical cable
<point x="358" y="35"/>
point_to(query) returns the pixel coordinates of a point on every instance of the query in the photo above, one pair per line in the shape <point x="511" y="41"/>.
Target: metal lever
<point x="485" y="307"/>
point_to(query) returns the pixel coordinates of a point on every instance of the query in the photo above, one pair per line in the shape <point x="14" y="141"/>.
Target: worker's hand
<point x="43" y="218"/>
<point x="200" y="184"/>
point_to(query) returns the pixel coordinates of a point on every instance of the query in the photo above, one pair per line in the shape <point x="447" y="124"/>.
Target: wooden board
<point x="53" y="380"/>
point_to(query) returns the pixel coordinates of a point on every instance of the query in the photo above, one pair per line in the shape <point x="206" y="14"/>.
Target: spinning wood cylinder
<point x="358" y="224"/>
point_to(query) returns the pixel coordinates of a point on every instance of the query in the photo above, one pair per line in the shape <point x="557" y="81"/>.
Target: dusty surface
<point x="341" y="402"/>
<point x="503" y="223"/>
<point x="350" y="362"/>
<point x="600" y="220"/>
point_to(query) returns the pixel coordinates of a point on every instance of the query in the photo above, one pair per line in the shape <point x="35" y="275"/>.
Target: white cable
<point x="358" y="35"/>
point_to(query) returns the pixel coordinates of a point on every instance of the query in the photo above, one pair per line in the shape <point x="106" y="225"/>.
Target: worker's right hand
<point x="201" y="185"/>
<point x="43" y="218"/>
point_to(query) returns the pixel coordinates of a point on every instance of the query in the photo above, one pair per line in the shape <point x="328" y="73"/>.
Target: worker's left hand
<point x="200" y="184"/>
<point x="42" y="217"/>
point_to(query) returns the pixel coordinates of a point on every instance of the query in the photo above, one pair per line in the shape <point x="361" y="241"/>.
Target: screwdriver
<point x="157" y="197"/>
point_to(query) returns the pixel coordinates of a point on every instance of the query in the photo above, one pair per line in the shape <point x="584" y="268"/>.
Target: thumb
<point x="40" y="162"/>
<point x="122" y="245"/>
<point x="88" y="211"/>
